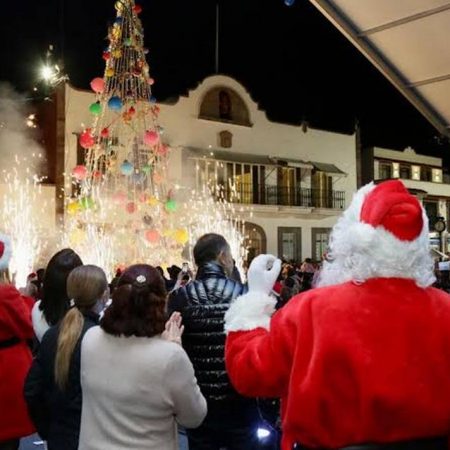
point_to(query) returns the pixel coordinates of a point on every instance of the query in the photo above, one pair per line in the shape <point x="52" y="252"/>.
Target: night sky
<point x="294" y="63"/>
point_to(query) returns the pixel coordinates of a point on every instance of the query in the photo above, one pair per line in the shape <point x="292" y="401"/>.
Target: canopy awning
<point x="407" y="40"/>
<point x="247" y="158"/>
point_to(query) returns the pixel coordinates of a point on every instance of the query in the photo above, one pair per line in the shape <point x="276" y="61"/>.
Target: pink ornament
<point x="98" y="85"/>
<point x="152" y="236"/>
<point x="131" y="207"/>
<point x="86" y="139"/>
<point x="143" y="197"/>
<point x="162" y="150"/>
<point x="158" y="178"/>
<point x="104" y="133"/>
<point x="151" y="81"/>
<point x="79" y="172"/>
<point x="119" y="198"/>
<point x="151" y="138"/>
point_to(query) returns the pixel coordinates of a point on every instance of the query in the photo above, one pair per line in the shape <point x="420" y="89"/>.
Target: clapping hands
<point x="174" y="329"/>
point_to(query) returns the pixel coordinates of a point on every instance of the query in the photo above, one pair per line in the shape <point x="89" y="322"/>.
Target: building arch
<point x="223" y="104"/>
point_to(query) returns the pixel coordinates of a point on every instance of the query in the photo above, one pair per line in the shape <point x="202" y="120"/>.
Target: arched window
<point x="255" y="241"/>
<point x="224" y="105"/>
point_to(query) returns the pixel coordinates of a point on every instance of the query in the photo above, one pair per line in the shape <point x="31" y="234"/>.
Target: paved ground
<point x="28" y="443"/>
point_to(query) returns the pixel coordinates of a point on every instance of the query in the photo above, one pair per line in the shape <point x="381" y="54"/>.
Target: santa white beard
<point x="358" y="251"/>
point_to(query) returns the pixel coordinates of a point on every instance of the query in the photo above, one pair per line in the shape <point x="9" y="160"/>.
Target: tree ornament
<point x="110" y="72"/>
<point x="181" y="236"/>
<point x="119" y="198"/>
<point x="126" y="168"/>
<point x="117" y="53"/>
<point x="137" y="9"/>
<point x="151" y="81"/>
<point x="87" y="203"/>
<point x="152" y="236"/>
<point x="171" y="205"/>
<point x="147" y="220"/>
<point x="95" y="108"/>
<point x="146" y="169"/>
<point x="289" y="2"/>
<point x="106" y="56"/>
<point x="131" y="207"/>
<point x="86" y="139"/>
<point x="152" y="201"/>
<point x="73" y="208"/>
<point x="115" y="103"/>
<point x="104" y="133"/>
<point x="151" y="138"/>
<point x="98" y="85"/>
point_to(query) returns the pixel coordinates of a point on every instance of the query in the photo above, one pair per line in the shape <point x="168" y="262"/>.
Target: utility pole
<point x="217" y="36"/>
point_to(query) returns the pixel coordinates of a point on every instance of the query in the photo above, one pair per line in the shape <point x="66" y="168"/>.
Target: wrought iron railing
<point x="284" y="196"/>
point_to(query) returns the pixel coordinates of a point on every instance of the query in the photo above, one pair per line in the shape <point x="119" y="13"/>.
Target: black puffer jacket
<point x="55" y="413"/>
<point x="203" y="304"/>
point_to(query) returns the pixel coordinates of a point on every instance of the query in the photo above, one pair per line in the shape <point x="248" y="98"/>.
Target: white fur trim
<point x="250" y="311"/>
<point x="359" y="251"/>
<point x="40" y="325"/>
<point x="5" y="258"/>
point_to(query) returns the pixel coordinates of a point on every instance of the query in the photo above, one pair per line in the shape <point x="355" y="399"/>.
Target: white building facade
<point x="423" y="176"/>
<point x="291" y="182"/>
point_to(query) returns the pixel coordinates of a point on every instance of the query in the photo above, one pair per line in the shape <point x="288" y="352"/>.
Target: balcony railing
<point x="284" y="196"/>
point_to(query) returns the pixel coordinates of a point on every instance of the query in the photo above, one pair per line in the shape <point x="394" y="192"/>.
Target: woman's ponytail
<point x="69" y="333"/>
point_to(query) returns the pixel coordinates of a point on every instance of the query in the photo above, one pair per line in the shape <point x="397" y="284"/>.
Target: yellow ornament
<point x="167" y="232"/>
<point x="73" y="208"/>
<point x="77" y="237"/>
<point x="181" y="236"/>
<point x="152" y="201"/>
<point x="110" y="72"/>
<point x="117" y="53"/>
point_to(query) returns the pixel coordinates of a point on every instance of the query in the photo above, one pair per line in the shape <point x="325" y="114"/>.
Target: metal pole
<point x="217" y="36"/>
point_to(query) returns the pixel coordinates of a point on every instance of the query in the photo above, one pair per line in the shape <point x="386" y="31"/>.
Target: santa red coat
<point x="15" y="361"/>
<point x="352" y="363"/>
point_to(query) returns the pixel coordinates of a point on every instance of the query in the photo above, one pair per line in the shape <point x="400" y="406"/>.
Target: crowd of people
<point x="358" y="351"/>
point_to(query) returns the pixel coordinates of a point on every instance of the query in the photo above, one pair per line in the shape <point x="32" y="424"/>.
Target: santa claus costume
<point x="15" y="356"/>
<point x="365" y="358"/>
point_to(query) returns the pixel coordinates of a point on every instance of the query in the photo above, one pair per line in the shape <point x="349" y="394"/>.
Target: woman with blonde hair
<point x="52" y="388"/>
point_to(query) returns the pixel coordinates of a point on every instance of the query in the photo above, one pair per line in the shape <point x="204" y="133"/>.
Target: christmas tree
<point x="126" y="211"/>
<point x="123" y="184"/>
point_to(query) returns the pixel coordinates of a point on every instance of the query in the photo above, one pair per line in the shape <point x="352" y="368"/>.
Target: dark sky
<point x="294" y="63"/>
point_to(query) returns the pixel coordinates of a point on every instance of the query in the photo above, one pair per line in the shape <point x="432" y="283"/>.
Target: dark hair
<point x="209" y="247"/>
<point x="160" y="270"/>
<point x="138" y="305"/>
<point x="174" y="271"/>
<point x="55" y="301"/>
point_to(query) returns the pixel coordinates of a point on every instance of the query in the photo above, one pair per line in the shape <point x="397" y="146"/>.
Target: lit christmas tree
<point x="126" y="211"/>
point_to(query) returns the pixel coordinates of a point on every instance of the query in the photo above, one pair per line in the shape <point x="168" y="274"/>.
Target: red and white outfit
<point x="366" y="357"/>
<point x="15" y="356"/>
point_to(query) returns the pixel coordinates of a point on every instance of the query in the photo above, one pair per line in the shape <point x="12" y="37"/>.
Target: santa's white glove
<point x="254" y="309"/>
<point x="263" y="274"/>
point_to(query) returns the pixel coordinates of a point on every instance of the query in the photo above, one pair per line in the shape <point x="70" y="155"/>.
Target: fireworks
<point x="21" y="191"/>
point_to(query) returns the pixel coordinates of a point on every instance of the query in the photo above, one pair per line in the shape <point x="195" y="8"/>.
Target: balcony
<point x="284" y="196"/>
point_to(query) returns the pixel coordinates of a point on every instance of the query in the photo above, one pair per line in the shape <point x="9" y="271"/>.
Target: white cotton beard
<point x="360" y="252"/>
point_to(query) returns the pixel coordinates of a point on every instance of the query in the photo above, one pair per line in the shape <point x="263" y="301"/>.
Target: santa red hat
<point x="5" y="251"/>
<point x="391" y="206"/>
<point x="383" y="233"/>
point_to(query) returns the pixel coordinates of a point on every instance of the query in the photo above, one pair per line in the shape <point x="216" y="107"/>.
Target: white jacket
<point x="135" y="390"/>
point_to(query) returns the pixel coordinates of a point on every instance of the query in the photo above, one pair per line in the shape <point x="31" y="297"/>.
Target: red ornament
<point x="151" y="138"/>
<point x="79" y="172"/>
<point x="151" y="81"/>
<point x="152" y="236"/>
<point x="98" y="85"/>
<point x="137" y="9"/>
<point x="131" y="111"/>
<point x="106" y="56"/>
<point x="131" y="207"/>
<point x="86" y="139"/>
<point x="97" y="174"/>
<point x="104" y="133"/>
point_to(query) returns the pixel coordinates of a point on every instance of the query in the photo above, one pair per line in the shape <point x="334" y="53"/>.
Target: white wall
<point x="184" y="129"/>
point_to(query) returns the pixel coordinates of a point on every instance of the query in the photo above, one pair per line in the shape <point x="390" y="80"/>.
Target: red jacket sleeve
<point x="259" y="361"/>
